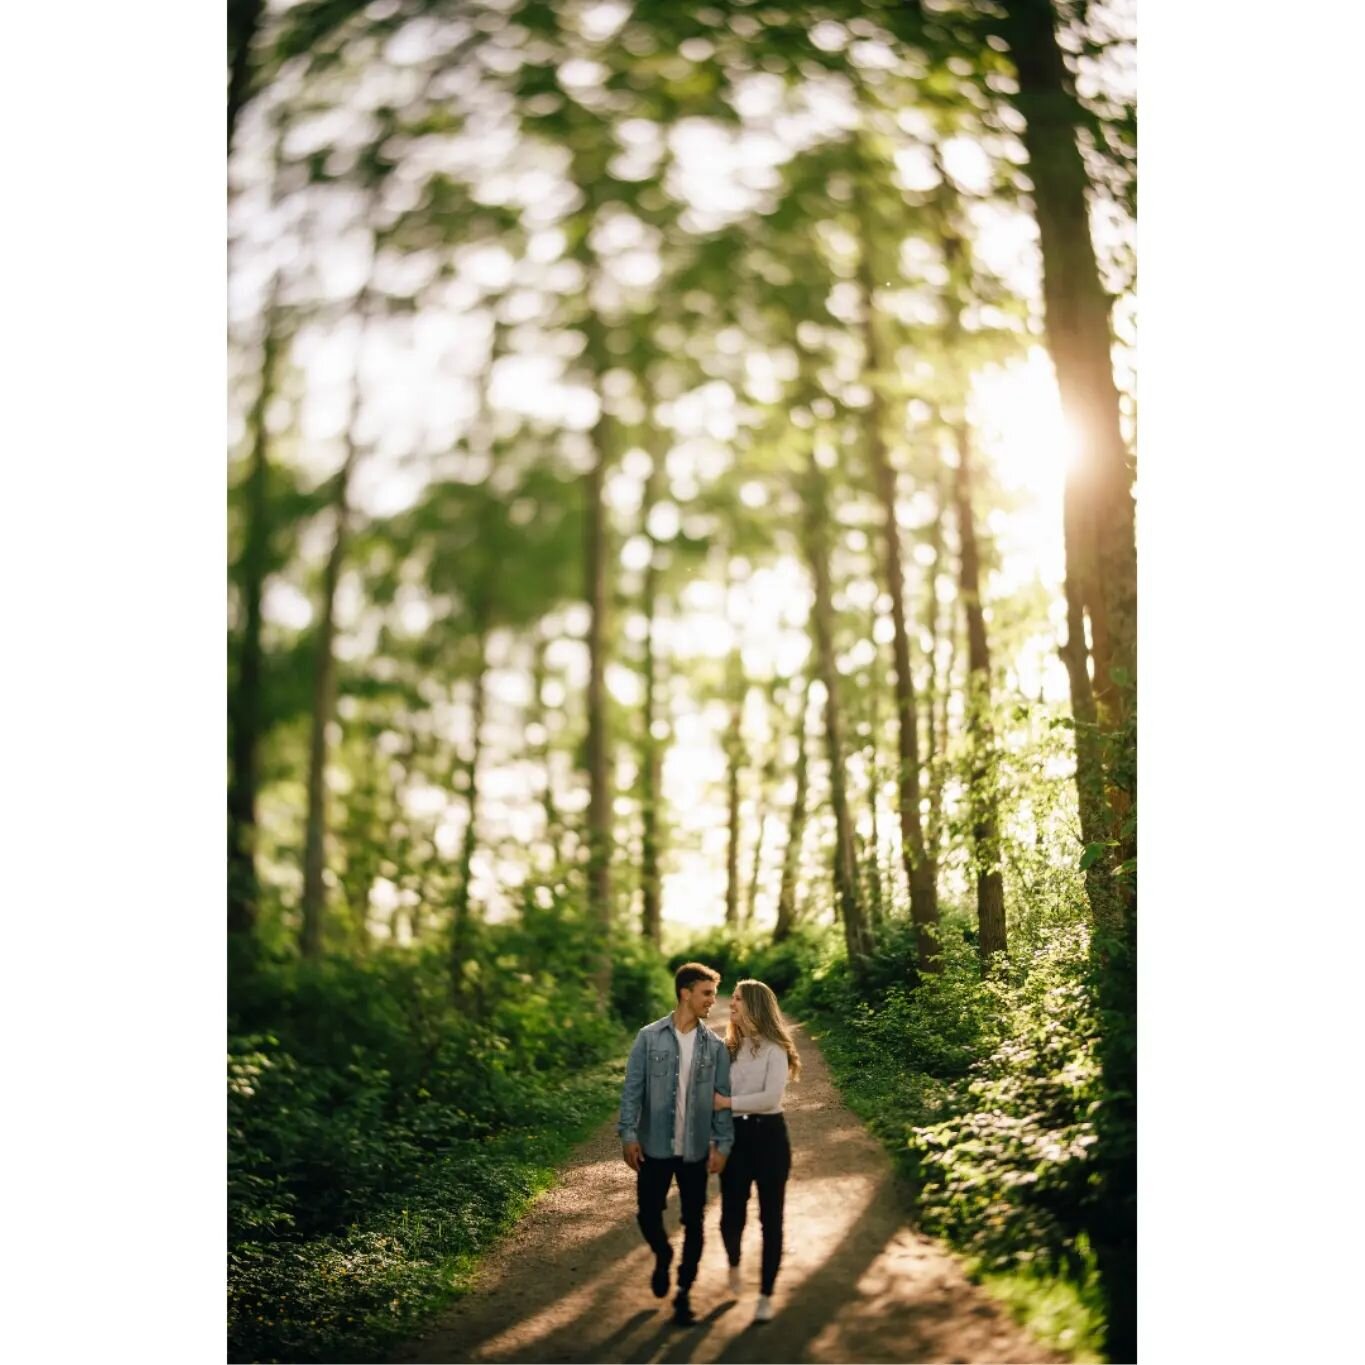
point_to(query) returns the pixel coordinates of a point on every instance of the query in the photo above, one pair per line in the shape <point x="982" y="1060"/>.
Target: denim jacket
<point x="649" y="1096"/>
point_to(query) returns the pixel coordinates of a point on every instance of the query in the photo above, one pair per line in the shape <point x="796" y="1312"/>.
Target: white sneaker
<point x="735" y="1281"/>
<point x="764" y="1311"/>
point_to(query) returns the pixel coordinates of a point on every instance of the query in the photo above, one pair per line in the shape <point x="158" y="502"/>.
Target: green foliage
<point x="641" y="984"/>
<point x="740" y="953"/>
<point x="987" y="1094"/>
<point x="1007" y="1176"/>
<point x="379" y="1137"/>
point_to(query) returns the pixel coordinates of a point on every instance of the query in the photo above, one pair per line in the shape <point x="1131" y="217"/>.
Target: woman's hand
<point x="722" y="1101"/>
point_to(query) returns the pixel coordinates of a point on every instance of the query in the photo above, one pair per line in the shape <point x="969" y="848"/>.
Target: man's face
<point x="700" y="996"/>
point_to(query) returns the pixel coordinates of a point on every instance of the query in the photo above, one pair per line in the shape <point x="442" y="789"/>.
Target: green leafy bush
<point x="1009" y="1175"/>
<point x="379" y="1135"/>
<point x="986" y="1093"/>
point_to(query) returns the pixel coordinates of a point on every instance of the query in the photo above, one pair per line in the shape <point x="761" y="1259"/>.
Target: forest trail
<point x="571" y="1281"/>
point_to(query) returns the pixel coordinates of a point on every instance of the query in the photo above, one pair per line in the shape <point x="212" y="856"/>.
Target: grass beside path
<point x="349" y="1296"/>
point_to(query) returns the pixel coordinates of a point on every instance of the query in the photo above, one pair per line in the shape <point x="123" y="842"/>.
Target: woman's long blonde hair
<point x="760" y="1004"/>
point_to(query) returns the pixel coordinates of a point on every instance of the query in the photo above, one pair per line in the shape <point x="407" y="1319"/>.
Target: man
<point x="669" y="1127"/>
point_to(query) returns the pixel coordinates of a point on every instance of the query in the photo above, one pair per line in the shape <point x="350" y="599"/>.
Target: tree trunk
<point x="460" y="935"/>
<point x="791" y="858"/>
<point x="733" y="758"/>
<point x="935" y="736"/>
<point x="1101" y="570"/>
<point x="1076" y="316"/>
<point x="599" y="785"/>
<point x="243" y="20"/>
<point x="875" y="898"/>
<point x="856" y="935"/>
<point x="243" y="889"/>
<point x="1104" y="895"/>
<point x="990" y="885"/>
<point x="765" y="780"/>
<point x="538" y="717"/>
<point x="919" y="871"/>
<point x="651" y="756"/>
<point x="324" y="706"/>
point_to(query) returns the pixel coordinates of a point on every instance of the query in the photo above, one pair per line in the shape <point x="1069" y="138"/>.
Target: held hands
<point x="715" y="1163"/>
<point x="633" y="1154"/>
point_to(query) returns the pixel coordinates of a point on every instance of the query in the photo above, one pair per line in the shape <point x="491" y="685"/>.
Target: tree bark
<point x="791" y="858"/>
<point x="875" y="895"/>
<point x="243" y="21"/>
<point x="651" y="756"/>
<point x="733" y="758"/>
<point x="765" y="778"/>
<point x="1101" y="571"/>
<point x="935" y="735"/>
<point x="919" y="870"/>
<point x="1076" y="316"/>
<point x="599" y="785"/>
<point x="856" y="935"/>
<point x="990" y="885"/>
<point x="1106" y="906"/>
<point x="538" y="717"/>
<point x="324" y="706"/>
<point x="460" y="936"/>
<point x="245" y="715"/>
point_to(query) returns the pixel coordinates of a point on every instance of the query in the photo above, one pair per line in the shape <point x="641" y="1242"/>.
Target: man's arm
<point x="632" y="1099"/>
<point x="722" y="1123"/>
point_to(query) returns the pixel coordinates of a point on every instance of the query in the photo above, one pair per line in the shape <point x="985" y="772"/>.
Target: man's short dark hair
<point x="690" y="973"/>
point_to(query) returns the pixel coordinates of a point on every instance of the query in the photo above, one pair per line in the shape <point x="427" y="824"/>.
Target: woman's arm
<point x="774" y="1086"/>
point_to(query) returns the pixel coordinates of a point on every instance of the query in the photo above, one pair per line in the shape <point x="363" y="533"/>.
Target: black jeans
<point x="761" y="1156"/>
<point x="652" y="1180"/>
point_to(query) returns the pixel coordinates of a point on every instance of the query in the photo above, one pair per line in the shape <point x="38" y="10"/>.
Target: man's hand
<point x="633" y="1154"/>
<point x="715" y="1163"/>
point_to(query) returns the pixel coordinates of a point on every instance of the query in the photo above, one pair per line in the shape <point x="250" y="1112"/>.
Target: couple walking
<point x="694" y="1105"/>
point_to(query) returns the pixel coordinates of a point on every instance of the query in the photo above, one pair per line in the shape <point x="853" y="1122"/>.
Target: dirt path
<point x="571" y="1281"/>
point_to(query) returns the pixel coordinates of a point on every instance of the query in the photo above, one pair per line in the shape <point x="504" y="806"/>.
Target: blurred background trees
<point x="680" y="482"/>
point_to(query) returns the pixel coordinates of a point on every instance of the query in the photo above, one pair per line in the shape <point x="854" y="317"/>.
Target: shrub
<point x="379" y="1135"/>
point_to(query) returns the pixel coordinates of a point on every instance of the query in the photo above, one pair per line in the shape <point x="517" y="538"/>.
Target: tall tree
<point x="816" y="537"/>
<point x="734" y="761"/>
<point x="324" y="701"/>
<point x="982" y="794"/>
<point x="245" y="708"/>
<point x="796" y="826"/>
<point x="919" y="869"/>
<point x="1101" y="574"/>
<point x="537" y="718"/>
<point x="651" y="749"/>
<point x="1076" y="319"/>
<point x="765" y="777"/>
<point x="460" y="935"/>
<point x="598" y="749"/>
<point x="939" y="684"/>
<point x="243" y="21"/>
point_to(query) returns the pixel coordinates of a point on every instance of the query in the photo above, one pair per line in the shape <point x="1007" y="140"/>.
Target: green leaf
<point x="1092" y="854"/>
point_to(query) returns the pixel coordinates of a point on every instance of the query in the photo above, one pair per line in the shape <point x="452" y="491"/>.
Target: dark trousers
<point x="652" y="1180"/>
<point x="761" y="1156"/>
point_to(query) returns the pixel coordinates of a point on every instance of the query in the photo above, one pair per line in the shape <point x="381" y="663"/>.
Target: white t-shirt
<point x="687" y="1045"/>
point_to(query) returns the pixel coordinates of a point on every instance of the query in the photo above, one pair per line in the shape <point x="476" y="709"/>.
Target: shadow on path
<point x="571" y="1282"/>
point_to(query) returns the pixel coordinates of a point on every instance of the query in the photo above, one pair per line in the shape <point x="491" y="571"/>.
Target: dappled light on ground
<point x="857" y="1283"/>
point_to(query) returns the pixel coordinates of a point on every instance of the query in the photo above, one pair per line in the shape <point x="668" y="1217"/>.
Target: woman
<point x="763" y="1056"/>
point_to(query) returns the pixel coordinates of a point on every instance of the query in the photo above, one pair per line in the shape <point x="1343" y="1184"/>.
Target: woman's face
<point x="741" y="1017"/>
